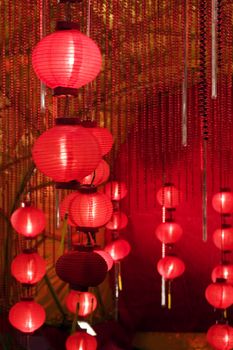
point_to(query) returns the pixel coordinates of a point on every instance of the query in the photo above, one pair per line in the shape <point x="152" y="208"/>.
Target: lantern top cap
<point x="67" y="121"/>
<point x="87" y="189"/>
<point x="65" y="25"/>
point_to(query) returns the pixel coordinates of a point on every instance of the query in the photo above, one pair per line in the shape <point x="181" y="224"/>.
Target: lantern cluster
<point x="168" y="233"/>
<point x="219" y="293"/>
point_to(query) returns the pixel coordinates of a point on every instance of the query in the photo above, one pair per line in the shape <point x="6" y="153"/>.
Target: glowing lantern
<point x="223" y="271"/>
<point x="118" y="221"/>
<point x="64" y="207"/>
<point x="84" y="302"/>
<point x="169" y="232"/>
<point x="116" y="190"/>
<point x="104" y="137"/>
<point x="220" y="336"/>
<point x="98" y="176"/>
<point x="28" y="221"/>
<point x="168" y="196"/>
<point x="223" y="238"/>
<point x="28" y="268"/>
<point x="219" y="294"/>
<point x="223" y="202"/>
<point x="170" y="267"/>
<point x="67" y="59"/>
<point x="27" y="316"/>
<point x="106" y="256"/>
<point x="81" y="341"/>
<point x="118" y="249"/>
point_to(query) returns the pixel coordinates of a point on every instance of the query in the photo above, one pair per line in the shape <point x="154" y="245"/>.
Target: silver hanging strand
<point x="185" y="79"/>
<point x="214" y="67"/>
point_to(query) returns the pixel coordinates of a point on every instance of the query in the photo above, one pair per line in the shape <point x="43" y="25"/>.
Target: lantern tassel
<point x="169" y="296"/>
<point x="57" y="201"/>
<point x="119" y="277"/>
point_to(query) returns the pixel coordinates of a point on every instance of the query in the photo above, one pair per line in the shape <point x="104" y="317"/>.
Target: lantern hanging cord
<point x="88" y="17"/>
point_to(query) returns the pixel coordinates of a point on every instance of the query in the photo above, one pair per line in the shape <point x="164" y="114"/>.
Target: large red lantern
<point x="118" y="249"/>
<point x="168" y="196"/>
<point x="106" y="256"/>
<point x="98" y="176"/>
<point x="67" y="59"/>
<point x="84" y="303"/>
<point x="220" y="336"/>
<point x="219" y="294"/>
<point x="81" y="341"/>
<point x="223" y="238"/>
<point x="169" y="232"/>
<point x="28" y="268"/>
<point x="118" y="221"/>
<point x="28" y="221"/>
<point x="104" y="137"/>
<point x="27" y="316"/>
<point x="223" y="202"/>
<point x="116" y="190"/>
<point x="223" y="271"/>
<point x="170" y="267"/>
<point x="66" y="152"/>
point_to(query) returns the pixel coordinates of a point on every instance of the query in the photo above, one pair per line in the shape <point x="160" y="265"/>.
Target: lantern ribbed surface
<point x="27" y="316"/>
<point x="219" y="295"/>
<point x="168" y="232"/>
<point x="220" y="336"/>
<point x="170" y="267"/>
<point x="223" y="238"/>
<point x="66" y="58"/>
<point x="81" y="341"/>
<point x="118" y="221"/>
<point x="64" y="207"/>
<point x="82" y="302"/>
<point x="223" y="202"/>
<point x="28" y="268"/>
<point x="106" y="256"/>
<point x="104" y="137"/>
<point x="91" y="210"/>
<point x="98" y="176"/>
<point x="116" y="190"/>
<point x="118" y="249"/>
<point x="66" y="152"/>
<point x="223" y="271"/>
<point x="168" y="196"/>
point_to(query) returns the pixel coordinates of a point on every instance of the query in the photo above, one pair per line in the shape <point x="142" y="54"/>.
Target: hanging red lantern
<point x="84" y="303"/>
<point x="106" y="256"/>
<point x="223" y="202"/>
<point x="66" y="58"/>
<point x="27" y="316"/>
<point x="81" y="341"/>
<point x="118" y="221"/>
<point x="118" y="249"/>
<point x="168" y="196"/>
<point x="98" y="176"/>
<point x="116" y="190"/>
<point x="220" y="336"/>
<point x="223" y="271"/>
<point x="28" y="221"/>
<point x="104" y="137"/>
<point x="28" y="268"/>
<point x="169" y="232"/>
<point x="170" y="267"/>
<point x="66" y="152"/>
<point x="64" y="207"/>
<point x="223" y="238"/>
<point x="90" y="209"/>
<point x="219" y="294"/>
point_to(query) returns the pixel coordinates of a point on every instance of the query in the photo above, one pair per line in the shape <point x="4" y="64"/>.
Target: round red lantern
<point x="104" y="137"/>
<point x="98" y="176"/>
<point x="168" y="196"/>
<point x="169" y="232"/>
<point x="64" y="207"/>
<point x="106" y="256"/>
<point x="66" y="58"/>
<point x="118" y="221"/>
<point x="27" y="316"/>
<point x="28" y="221"/>
<point x="90" y="209"/>
<point x="84" y="302"/>
<point x="118" y="249"/>
<point x="219" y="294"/>
<point x="81" y="341"/>
<point x="116" y="190"/>
<point x="223" y="271"/>
<point x="28" y="268"/>
<point x="220" y="336"/>
<point x="66" y="153"/>
<point x="223" y="238"/>
<point x="170" y="267"/>
<point x="223" y="202"/>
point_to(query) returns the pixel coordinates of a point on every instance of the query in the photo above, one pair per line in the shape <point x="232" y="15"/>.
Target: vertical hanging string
<point x="204" y="190"/>
<point x="185" y="78"/>
<point x="42" y="34"/>
<point x="57" y="201"/>
<point x="214" y="49"/>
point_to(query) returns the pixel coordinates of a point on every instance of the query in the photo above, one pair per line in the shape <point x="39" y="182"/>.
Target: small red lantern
<point x="168" y="196"/>
<point x="84" y="303"/>
<point x="219" y="294"/>
<point x="104" y="137"/>
<point x="118" y="249"/>
<point x="27" y="316"/>
<point x="220" y="336"/>
<point x="118" y="221"/>
<point x="170" y="267"/>
<point x="223" y="202"/>
<point x="28" y="221"/>
<point x="106" y="256"/>
<point x="64" y="207"/>
<point x="28" y="268"/>
<point x="116" y="190"/>
<point x="81" y="341"/>
<point x="98" y="176"/>
<point x="169" y="232"/>
<point x="223" y="238"/>
<point x="223" y="271"/>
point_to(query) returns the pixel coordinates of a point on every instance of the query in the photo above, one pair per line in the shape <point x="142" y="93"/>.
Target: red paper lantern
<point x="168" y="196"/>
<point x="170" y="267"/>
<point x="66" y="58"/>
<point x="106" y="256"/>
<point x="104" y="137"/>
<point x="64" y="207"/>
<point x="223" y="202"/>
<point x="223" y="271"/>
<point x="116" y="190"/>
<point x="220" y="336"/>
<point x="27" y="316"/>
<point x="118" y="249"/>
<point x="28" y="268"/>
<point x="219" y="294"/>
<point x="118" y="221"/>
<point x="84" y="302"/>
<point x="81" y="341"/>
<point x="169" y="232"/>
<point x="66" y="153"/>
<point x="223" y="238"/>
<point x="98" y="176"/>
<point x="28" y="221"/>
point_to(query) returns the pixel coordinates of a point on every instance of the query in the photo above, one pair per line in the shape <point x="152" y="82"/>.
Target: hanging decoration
<point x="81" y="341"/>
